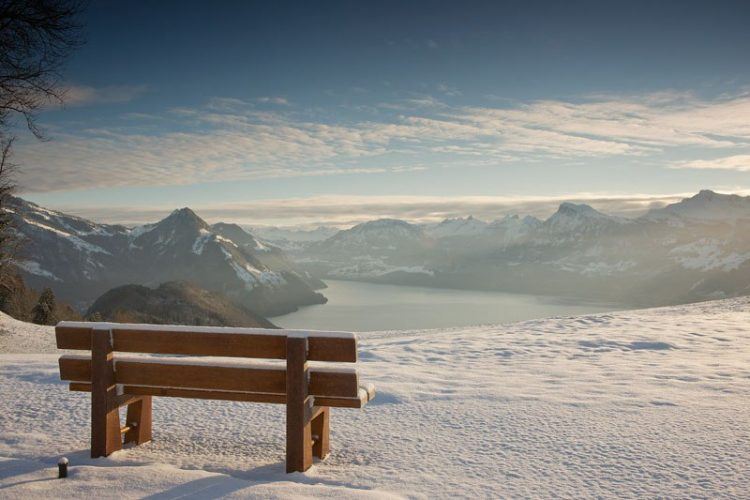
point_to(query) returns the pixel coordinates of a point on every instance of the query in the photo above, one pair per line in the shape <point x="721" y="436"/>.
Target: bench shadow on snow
<point x="223" y="483"/>
<point x="205" y="487"/>
<point x="226" y="483"/>
<point x="17" y="467"/>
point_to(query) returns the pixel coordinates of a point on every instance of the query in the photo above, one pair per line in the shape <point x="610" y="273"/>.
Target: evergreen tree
<point x="95" y="317"/>
<point x="44" y="311"/>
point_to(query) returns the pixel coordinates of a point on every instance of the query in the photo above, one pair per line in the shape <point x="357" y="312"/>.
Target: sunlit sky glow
<point x="282" y="113"/>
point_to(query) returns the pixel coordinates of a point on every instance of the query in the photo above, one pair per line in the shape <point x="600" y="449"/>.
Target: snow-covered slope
<point x="651" y="403"/>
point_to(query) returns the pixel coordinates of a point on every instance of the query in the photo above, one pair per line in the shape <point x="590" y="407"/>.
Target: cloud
<point x="230" y="139"/>
<point x="344" y="211"/>
<point x="81" y="95"/>
<point x="449" y="91"/>
<point x="740" y="163"/>
<point x="281" y="101"/>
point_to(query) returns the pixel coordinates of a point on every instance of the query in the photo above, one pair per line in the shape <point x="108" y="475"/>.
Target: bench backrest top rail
<point x="205" y="329"/>
<point x="208" y="341"/>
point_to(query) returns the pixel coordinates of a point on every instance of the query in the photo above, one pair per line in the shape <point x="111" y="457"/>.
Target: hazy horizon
<point x="343" y="212"/>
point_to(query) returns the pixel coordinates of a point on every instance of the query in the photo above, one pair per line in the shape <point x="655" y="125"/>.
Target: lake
<point x="361" y="306"/>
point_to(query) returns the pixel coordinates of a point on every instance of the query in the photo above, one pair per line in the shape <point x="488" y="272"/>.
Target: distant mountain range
<point x="696" y="249"/>
<point x="80" y="259"/>
<point x="693" y="250"/>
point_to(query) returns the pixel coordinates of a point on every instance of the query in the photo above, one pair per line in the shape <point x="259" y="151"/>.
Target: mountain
<point x="696" y="249"/>
<point x="706" y="206"/>
<point x="572" y="220"/>
<point x="293" y="239"/>
<point x="378" y="235"/>
<point x="468" y="226"/>
<point x="265" y="254"/>
<point x="371" y="249"/>
<point x="176" y="303"/>
<point x="512" y="228"/>
<point x="80" y="259"/>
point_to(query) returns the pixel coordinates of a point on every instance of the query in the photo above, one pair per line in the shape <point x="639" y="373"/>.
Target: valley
<point x="693" y="250"/>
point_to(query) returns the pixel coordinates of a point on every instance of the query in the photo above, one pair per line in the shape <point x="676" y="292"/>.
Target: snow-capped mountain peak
<point x="390" y="235"/>
<point x="185" y="218"/>
<point x="457" y="226"/>
<point x="383" y="228"/>
<point x="515" y="221"/>
<point x="578" y="217"/>
<point x="569" y="209"/>
<point x="707" y="205"/>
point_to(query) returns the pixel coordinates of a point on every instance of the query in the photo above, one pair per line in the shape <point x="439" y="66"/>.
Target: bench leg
<point x="299" y="437"/>
<point x="299" y="407"/>
<point x="105" y="430"/>
<point x="139" y="420"/>
<point x="321" y="427"/>
<point x="105" y="417"/>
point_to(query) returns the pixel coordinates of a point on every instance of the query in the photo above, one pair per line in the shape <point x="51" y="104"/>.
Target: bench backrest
<point x="175" y="371"/>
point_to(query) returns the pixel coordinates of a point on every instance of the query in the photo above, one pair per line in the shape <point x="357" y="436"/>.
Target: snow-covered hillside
<point x="651" y="403"/>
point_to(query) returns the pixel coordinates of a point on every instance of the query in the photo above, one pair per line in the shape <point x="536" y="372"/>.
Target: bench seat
<point x="365" y="394"/>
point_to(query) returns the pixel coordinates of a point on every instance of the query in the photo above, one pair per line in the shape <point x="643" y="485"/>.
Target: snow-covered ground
<point x="648" y="403"/>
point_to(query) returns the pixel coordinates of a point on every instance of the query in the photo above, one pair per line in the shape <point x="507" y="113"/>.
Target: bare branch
<point x="36" y="37"/>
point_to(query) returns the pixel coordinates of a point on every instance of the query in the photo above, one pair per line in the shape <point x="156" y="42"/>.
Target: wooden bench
<point x="308" y="392"/>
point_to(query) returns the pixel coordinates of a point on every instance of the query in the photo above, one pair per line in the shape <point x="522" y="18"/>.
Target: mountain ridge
<point x="80" y="259"/>
<point x="678" y="253"/>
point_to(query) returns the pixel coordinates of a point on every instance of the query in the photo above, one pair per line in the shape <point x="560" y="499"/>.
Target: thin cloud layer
<point x="230" y="139"/>
<point x="82" y="95"/>
<point x="344" y="211"/>
<point x="740" y="163"/>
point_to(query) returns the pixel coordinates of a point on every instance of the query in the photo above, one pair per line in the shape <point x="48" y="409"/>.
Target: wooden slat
<point x="338" y="383"/>
<point x="268" y="344"/>
<point x="248" y="397"/>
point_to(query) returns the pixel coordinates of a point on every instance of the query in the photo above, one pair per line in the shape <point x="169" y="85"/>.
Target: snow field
<point x="631" y="404"/>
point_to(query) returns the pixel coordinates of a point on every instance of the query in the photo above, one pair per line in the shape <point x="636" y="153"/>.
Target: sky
<point x="301" y="113"/>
